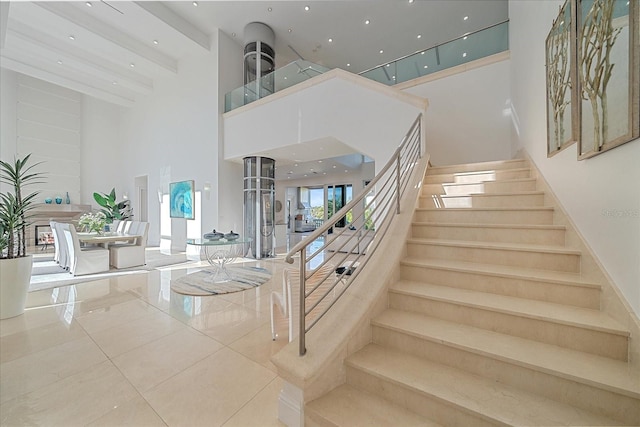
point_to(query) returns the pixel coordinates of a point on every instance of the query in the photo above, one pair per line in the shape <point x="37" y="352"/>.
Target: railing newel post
<point x="398" y="183"/>
<point x="302" y="326"/>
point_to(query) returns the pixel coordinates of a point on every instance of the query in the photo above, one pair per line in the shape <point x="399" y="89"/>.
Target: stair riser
<point x="548" y="237"/>
<point x="311" y="419"/>
<point x="479" y="188"/>
<point x="587" y="397"/>
<point x="485" y="176"/>
<point x="573" y="337"/>
<point x="478" y="167"/>
<point x="530" y="289"/>
<point x="472" y="216"/>
<point x="529" y="259"/>
<point x="485" y="201"/>
<point x="429" y="406"/>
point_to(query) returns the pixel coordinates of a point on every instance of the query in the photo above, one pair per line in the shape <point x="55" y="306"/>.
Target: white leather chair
<point x="288" y="300"/>
<point x="56" y="242"/>
<point x="63" y="246"/>
<point x="132" y="254"/>
<point x="88" y="260"/>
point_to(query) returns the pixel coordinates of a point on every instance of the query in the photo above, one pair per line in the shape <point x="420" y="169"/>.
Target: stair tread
<point x="603" y="372"/>
<point x="526" y="247"/>
<point x="542" y="310"/>
<point x="478" y="172"/>
<point x="475" y="164"/>
<point x="490" y="399"/>
<point x="349" y="406"/>
<point x="495" y="226"/>
<point x="561" y="277"/>
<point x="510" y="193"/>
<point x="493" y="209"/>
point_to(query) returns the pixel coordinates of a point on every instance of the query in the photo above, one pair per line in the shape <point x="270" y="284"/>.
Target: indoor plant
<point x="112" y="209"/>
<point x="15" y="213"/>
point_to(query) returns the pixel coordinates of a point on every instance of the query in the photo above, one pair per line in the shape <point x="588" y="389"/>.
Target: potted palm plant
<point x="15" y="214"/>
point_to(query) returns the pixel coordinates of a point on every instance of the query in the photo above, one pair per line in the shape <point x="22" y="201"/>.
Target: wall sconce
<point x="159" y="195"/>
<point x="207" y="190"/>
<point x="125" y="196"/>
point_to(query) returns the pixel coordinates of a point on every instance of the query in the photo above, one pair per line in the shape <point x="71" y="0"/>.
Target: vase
<point x="58" y="200"/>
<point x="48" y="200"/>
<point x="68" y="200"/>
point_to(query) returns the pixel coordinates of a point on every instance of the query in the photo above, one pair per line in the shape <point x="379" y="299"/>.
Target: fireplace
<point x="39" y="231"/>
<point x="43" y="236"/>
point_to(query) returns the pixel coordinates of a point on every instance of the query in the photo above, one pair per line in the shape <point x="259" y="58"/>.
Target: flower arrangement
<point x="93" y="222"/>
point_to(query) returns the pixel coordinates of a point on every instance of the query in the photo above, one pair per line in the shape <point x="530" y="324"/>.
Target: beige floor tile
<point x="259" y="347"/>
<point x="149" y="365"/>
<point x="186" y="308"/>
<point x="229" y="324"/>
<point x="209" y="392"/>
<point x="38" y="338"/>
<point x="135" y="413"/>
<point x="261" y="411"/>
<point x="40" y="369"/>
<point x="115" y="315"/>
<point x="35" y="315"/>
<point x="73" y="401"/>
<point x="125" y="337"/>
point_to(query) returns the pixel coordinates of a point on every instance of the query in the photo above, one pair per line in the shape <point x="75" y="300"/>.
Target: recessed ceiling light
<point x="334" y="166"/>
<point x="285" y="77"/>
<point x="330" y="40"/>
<point x="59" y="62"/>
<point x="132" y="65"/>
<point x="465" y="18"/>
<point x="426" y="66"/>
<point x="419" y="36"/>
<point x="89" y="4"/>
<point x="422" y="53"/>
<point x="411" y="1"/>
<point x="311" y="169"/>
<point x="348" y="64"/>
<point x="367" y="22"/>
<point x="464" y="55"/>
<point x="295" y="164"/>
<point x="381" y="51"/>
<point x="114" y="82"/>
<point x="307" y="8"/>
<point x="269" y="9"/>
<point x="290" y="30"/>
<point x="319" y="161"/>
<point x="156" y="42"/>
<point x="464" y="38"/>
<point x="233" y="34"/>
<point x="195" y="3"/>
<point x="290" y="171"/>
<point x="346" y="170"/>
<point x="288" y="177"/>
<point x="388" y="65"/>
<point x="324" y="173"/>
<point x="305" y="175"/>
<point x="72" y="37"/>
<point x="394" y="77"/>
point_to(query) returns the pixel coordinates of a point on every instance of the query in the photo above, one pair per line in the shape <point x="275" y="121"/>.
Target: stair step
<point x="515" y="233"/>
<point x="572" y="327"/>
<point x="541" y="285"/>
<point x="514" y="254"/>
<point x="507" y="215"/>
<point x="453" y="397"/>
<point x="481" y="166"/>
<point x="349" y="406"/>
<point x="462" y="189"/>
<point x="478" y="176"/>
<point x="489" y="200"/>
<point x="590" y="382"/>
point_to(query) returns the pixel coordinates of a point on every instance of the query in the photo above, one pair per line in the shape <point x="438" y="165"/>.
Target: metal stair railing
<point x="350" y="248"/>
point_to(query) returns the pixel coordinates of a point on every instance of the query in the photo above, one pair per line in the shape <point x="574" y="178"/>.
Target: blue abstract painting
<point x="182" y="197"/>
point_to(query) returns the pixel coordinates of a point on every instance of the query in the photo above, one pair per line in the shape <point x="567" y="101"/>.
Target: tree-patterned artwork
<point x="559" y="94"/>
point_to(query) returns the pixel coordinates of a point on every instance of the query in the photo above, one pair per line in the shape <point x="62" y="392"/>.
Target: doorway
<point x="141" y="184"/>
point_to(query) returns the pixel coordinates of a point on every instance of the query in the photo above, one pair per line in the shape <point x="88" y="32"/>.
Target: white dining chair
<point x="56" y="242"/>
<point x="63" y="245"/>
<point x="87" y="260"/>
<point x="131" y="254"/>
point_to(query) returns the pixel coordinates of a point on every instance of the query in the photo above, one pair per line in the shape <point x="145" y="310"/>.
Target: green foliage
<point x="15" y="208"/>
<point x="111" y="208"/>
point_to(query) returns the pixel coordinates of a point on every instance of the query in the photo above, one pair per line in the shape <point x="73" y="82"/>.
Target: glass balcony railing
<point x="467" y="48"/>
<point x="289" y="75"/>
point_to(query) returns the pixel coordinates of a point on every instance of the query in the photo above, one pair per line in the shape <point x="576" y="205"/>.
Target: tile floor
<point x="126" y="351"/>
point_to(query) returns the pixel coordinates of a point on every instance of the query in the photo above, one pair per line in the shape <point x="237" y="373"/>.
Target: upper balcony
<point x="469" y="47"/>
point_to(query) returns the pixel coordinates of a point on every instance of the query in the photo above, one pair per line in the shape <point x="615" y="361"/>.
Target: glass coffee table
<point x="219" y="253"/>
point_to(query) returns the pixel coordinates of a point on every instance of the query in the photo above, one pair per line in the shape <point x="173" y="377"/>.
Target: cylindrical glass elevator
<point x="259" y="60"/>
<point x="259" y="210"/>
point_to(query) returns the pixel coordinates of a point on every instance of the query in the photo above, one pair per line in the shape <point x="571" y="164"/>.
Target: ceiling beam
<point x="181" y="25"/>
<point x="101" y="29"/>
<point x="42" y="74"/>
<point x="79" y="59"/>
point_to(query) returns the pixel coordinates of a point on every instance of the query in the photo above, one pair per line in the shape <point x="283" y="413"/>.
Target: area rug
<point x="211" y="281"/>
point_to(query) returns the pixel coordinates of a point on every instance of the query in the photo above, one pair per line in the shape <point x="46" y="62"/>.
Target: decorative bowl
<point x="58" y="200"/>
<point x="48" y="200"/>
<point x="231" y="236"/>
<point x="214" y="235"/>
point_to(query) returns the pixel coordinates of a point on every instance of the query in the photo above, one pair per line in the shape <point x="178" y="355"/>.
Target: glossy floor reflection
<point x="127" y="351"/>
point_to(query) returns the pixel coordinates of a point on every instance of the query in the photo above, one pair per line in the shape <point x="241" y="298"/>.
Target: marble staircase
<point x="492" y="321"/>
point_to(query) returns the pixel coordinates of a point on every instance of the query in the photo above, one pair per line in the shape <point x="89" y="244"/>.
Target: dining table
<point x="104" y="239"/>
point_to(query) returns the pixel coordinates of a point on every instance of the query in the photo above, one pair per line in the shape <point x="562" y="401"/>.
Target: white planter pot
<point x="15" y="275"/>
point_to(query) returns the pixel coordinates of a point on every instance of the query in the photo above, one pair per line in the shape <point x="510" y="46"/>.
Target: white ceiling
<point x="113" y="57"/>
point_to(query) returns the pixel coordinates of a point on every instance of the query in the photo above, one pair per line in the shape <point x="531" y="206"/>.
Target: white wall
<point x="8" y="102"/>
<point x="602" y="194"/>
<point x="369" y="121"/>
<point x="466" y="120"/>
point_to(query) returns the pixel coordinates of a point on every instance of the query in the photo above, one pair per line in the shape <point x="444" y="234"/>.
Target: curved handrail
<point x="389" y="185"/>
